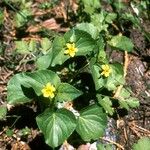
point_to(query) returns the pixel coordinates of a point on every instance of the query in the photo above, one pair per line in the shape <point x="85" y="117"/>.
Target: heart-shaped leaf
<point x="83" y="41"/>
<point x="122" y="43"/>
<point x="18" y="85"/>
<point x="37" y="80"/>
<point x="91" y="123"/>
<point x="15" y="94"/>
<point x="66" y="92"/>
<point x="43" y="62"/>
<point x="57" y="53"/>
<point x="56" y="126"/>
<point x="55" y="56"/>
<point x="45" y="45"/>
<point x="89" y="28"/>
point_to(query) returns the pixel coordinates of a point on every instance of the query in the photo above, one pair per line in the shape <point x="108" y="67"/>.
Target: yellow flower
<point x="48" y="90"/>
<point x="71" y="49"/>
<point x="106" y="70"/>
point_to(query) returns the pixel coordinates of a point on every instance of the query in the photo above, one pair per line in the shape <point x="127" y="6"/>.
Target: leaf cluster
<point x="56" y="121"/>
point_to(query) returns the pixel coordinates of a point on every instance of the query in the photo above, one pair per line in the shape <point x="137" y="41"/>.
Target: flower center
<point x="106" y="70"/>
<point x="70" y="49"/>
<point x="48" y="90"/>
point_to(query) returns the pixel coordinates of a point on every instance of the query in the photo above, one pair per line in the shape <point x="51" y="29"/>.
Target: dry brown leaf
<point x="60" y="11"/>
<point x="74" y="5"/>
<point x="6" y="15"/>
<point x="33" y="29"/>
<point x="40" y="12"/>
<point x="50" y="24"/>
<point x="9" y="25"/>
<point x="20" y="146"/>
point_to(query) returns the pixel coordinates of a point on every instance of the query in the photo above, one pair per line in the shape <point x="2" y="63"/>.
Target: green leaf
<point x="1" y="17"/>
<point x="91" y="123"/>
<point x="132" y="18"/>
<point x="89" y="28"/>
<point x="122" y="43"/>
<point x="110" y="17"/>
<point x="57" y="52"/>
<point x="32" y="46"/>
<point x="37" y="80"/>
<point x="45" y="45"/>
<point x="55" y="55"/>
<point x="119" y="5"/>
<point x="3" y="112"/>
<point x="66" y="92"/>
<point x="106" y="104"/>
<point x="126" y="100"/>
<point x="143" y="144"/>
<point x="101" y="146"/>
<point x="83" y="41"/>
<point x="9" y="132"/>
<point x="125" y="93"/>
<point x="56" y="126"/>
<point x="133" y="102"/>
<point x="22" y="47"/>
<point x="102" y="57"/>
<point x="129" y="102"/>
<point x="98" y="20"/>
<point x="43" y="62"/>
<point x="115" y="78"/>
<point x="21" y="17"/>
<point x="15" y="94"/>
<point x="95" y="69"/>
<point x="123" y="103"/>
<point x="91" y="5"/>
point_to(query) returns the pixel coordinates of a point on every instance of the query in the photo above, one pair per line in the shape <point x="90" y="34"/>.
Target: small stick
<point x="126" y="62"/>
<point x="138" y="128"/>
<point x="145" y="130"/>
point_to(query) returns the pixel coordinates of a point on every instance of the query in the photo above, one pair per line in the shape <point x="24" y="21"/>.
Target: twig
<point x="20" y="63"/>
<point x="137" y="129"/>
<point x="144" y="130"/>
<point x="112" y="142"/>
<point x="115" y="26"/>
<point x="125" y="134"/>
<point x="117" y="92"/>
<point x="126" y="62"/>
<point x="134" y="130"/>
